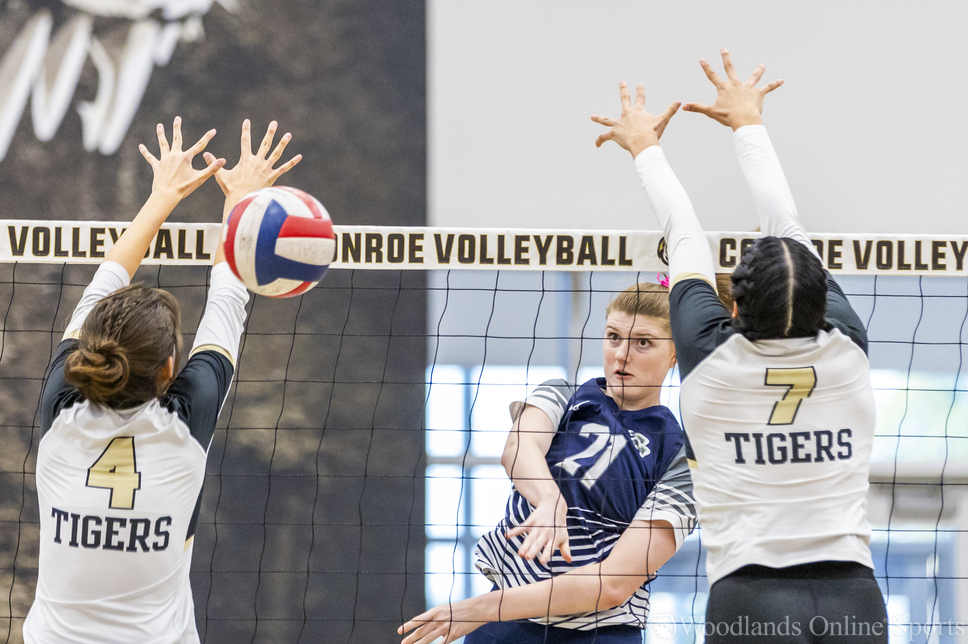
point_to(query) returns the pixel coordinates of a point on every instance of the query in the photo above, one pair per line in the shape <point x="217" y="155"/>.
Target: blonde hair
<point x="643" y="299"/>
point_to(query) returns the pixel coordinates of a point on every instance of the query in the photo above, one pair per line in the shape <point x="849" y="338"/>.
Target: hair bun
<point x="99" y="368"/>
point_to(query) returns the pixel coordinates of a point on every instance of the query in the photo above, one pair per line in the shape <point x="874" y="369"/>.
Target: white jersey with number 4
<point x="781" y="432"/>
<point x="119" y="491"/>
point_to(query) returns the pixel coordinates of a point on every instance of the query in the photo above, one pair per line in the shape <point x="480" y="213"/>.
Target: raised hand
<point x="738" y="103"/>
<point x="255" y="171"/>
<point x="449" y="621"/>
<point x="636" y="129"/>
<point x="547" y="531"/>
<point x="175" y="178"/>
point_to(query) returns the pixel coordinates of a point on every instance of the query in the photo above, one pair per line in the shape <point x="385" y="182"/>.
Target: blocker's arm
<point x="174" y="179"/>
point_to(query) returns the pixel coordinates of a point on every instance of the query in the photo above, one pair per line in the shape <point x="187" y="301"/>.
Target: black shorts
<point x="526" y="632"/>
<point x="823" y="602"/>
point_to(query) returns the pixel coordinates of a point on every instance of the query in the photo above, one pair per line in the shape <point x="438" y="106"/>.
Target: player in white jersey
<point x="776" y="398"/>
<point x="602" y="498"/>
<point x="122" y="460"/>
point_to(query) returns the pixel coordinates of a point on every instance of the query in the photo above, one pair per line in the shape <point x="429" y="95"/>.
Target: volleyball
<point x="279" y="241"/>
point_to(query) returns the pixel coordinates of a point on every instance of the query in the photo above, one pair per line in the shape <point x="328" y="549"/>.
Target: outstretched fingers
<point x="665" y="117"/>
<point x="756" y="75"/>
<point x="728" y="65"/>
<point x="769" y="87"/>
<point x="623" y="92"/>
<point x="710" y="74"/>
<point x="246" y="140"/>
<point x="202" y="143"/>
<point x="604" y="120"/>
<point x="640" y="95"/>
<point x="280" y="148"/>
<point x="149" y="157"/>
<point x="698" y="108"/>
<point x="162" y="139"/>
<point x="267" y="139"/>
<point x="286" y="167"/>
<point x="176" y="134"/>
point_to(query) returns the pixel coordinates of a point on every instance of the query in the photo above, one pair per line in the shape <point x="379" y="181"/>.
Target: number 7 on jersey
<point x="799" y="382"/>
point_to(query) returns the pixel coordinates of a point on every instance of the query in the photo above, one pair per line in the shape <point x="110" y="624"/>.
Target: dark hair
<point x="780" y="289"/>
<point x="124" y="343"/>
<point x="643" y="299"/>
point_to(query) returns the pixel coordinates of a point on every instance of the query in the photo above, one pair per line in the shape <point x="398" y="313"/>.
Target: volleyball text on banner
<point x="426" y="248"/>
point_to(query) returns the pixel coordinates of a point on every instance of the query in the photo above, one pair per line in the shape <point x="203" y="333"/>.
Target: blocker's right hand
<point x="546" y="530"/>
<point x="738" y="103"/>
<point x="254" y="171"/>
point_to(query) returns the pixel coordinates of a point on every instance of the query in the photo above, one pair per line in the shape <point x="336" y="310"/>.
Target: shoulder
<point x="196" y="395"/>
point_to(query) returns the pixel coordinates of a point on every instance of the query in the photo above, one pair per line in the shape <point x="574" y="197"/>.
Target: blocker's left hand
<point x="174" y="176"/>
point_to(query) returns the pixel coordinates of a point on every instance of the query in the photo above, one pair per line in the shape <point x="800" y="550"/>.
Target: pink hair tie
<point x="663" y="279"/>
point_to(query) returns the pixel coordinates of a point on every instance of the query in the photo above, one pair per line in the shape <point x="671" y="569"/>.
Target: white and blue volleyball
<point x="279" y="241"/>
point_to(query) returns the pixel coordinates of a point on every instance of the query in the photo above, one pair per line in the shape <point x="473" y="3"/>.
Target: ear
<point x="735" y="310"/>
<point x="167" y="372"/>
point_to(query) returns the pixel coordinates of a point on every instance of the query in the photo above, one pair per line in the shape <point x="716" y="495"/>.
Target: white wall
<point x="870" y="125"/>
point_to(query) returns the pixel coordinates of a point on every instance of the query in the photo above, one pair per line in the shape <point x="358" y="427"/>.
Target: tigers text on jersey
<point x="782" y="432"/>
<point x="119" y="490"/>
<point x="612" y="467"/>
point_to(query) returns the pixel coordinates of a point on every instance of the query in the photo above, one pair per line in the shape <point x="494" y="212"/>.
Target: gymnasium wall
<point x="347" y="78"/>
<point x="868" y="125"/>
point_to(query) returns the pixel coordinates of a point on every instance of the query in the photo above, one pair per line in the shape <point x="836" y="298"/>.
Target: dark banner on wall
<point x="82" y="83"/>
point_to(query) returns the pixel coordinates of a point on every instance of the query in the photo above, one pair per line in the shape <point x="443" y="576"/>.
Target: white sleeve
<point x="689" y="254"/>
<point x="221" y="326"/>
<point x="110" y="277"/>
<point x="672" y="499"/>
<point x="771" y="193"/>
<point x="551" y="397"/>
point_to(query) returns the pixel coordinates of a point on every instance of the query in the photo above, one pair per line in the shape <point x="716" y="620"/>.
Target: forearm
<point x="131" y="247"/>
<point x="526" y="466"/>
<point x="579" y="591"/>
<point x="772" y="197"/>
<point x="688" y="248"/>
<point x="222" y="324"/>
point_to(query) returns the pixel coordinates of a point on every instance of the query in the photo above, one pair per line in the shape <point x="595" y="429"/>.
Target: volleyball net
<point x="357" y="459"/>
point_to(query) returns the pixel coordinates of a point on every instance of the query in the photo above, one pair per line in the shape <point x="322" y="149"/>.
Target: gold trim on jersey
<point x="71" y="335"/>
<point x="188" y="542"/>
<point x="215" y="348"/>
<point x="681" y="277"/>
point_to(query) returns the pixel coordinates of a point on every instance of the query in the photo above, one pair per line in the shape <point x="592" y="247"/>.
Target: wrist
<point x="745" y="119"/>
<point x="164" y="199"/>
<point x="639" y="145"/>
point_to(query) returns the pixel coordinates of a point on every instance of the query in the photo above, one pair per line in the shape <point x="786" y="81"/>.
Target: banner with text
<point x="426" y="248"/>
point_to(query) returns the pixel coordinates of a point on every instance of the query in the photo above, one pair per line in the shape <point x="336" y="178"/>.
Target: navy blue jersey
<point x="612" y="467"/>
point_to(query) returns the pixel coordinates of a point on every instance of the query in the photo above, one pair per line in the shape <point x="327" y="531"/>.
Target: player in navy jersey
<point x="122" y="460"/>
<point x="776" y="398"/>
<point x="602" y="498"/>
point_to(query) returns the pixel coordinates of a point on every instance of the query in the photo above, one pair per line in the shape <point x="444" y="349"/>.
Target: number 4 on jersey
<point x="115" y="471"/>
<point x="799" y="382"/>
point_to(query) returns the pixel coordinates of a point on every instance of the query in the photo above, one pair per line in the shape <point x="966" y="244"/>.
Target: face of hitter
<point x="638" y="353"/>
